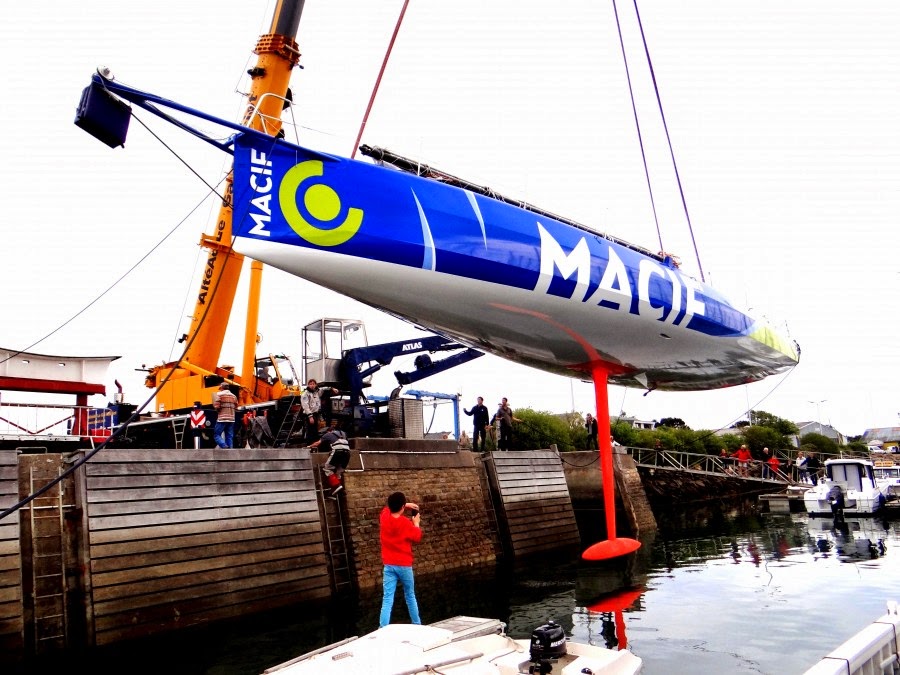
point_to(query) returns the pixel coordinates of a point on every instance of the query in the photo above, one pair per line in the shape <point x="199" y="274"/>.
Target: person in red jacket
<point x="774" y="464"/>
<point x="398" y="534"/>
<point x="743" y="457"/>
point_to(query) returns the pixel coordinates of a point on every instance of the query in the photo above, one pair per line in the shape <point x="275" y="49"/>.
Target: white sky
<point x="783" y="116"/>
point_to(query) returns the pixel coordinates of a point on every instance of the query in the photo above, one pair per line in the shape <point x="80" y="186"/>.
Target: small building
<point x="888" y="438"/>
<point x="635" y="423"/>
<point x="818" y="428"/>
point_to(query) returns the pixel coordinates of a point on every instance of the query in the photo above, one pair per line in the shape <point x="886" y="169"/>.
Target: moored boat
<point x="462" y="645"/>
<point x="888" y="478"/>
<point x="849" y="487"/>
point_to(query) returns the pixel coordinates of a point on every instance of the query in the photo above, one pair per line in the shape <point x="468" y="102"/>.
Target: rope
<point x="668" y="140"/>
<point x="135" y="416"/>
<point x="387" y="55"/>
<point x="637" y="124"/>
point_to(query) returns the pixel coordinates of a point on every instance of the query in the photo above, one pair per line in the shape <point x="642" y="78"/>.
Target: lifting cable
<point x="665" y="127"/>
<point x="384" y="62"/>
<point x="135" y="416"/>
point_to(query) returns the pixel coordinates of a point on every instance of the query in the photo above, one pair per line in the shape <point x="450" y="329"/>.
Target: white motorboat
<point x="462" y="645"/>
<point x="888" y="479"/>
<point x="849" y="487"/>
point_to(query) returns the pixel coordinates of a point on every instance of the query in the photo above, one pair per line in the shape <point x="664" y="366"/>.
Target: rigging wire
<point x="637" y="124"/>
<point x="668" y="140"/>
<point x="384" y="62"/>
<point x="135" y="416"/>
<point x="140" y="260"/>
<point x="713" y="432"/>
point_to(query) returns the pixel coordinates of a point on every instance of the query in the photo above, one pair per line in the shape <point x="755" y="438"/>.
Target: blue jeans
<point x="393" y="574"/>
<point x="224" y="434"/>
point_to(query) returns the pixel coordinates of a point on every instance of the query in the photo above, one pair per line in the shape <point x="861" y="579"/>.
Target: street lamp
<point x="818" y="412"/>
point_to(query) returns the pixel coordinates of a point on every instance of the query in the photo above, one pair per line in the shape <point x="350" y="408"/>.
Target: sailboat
<point x="491" y="272"/>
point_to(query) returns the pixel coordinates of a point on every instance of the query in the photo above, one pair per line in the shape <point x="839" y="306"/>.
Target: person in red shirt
<point x="743" y="458"/>
<point x="398" y="534"/>
<point x="774" y="464"/>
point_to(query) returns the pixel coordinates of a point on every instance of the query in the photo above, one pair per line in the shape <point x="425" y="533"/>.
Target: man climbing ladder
<point x="335" y="442"/>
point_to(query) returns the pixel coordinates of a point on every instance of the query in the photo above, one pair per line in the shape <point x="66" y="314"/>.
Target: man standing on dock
<point x="225" y="404"/>
<point x="593" y="430"/>
<point x="505" y="416"/>
<point x="398" y="534"/>
<point x="311" y="405"/>
<point x="481" y="420"/>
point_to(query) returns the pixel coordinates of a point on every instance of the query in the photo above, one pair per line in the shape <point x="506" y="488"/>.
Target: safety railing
<point x="29" y="422"/>
<point x="692" y="461"/>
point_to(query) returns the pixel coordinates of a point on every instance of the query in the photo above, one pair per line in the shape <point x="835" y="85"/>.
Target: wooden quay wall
<point x="11" y="610"/>
<point x="181" y="537"/>
<point x="534" y="501"/>
<point x="137" y="542"/>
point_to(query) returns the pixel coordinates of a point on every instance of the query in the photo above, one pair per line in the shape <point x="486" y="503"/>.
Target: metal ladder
<point x="48" y="563"/>
<point x="489" y="505"/>
<point x="178" y="428"/>
<point x="288" y="424"/>
<point x="337" y="548"/>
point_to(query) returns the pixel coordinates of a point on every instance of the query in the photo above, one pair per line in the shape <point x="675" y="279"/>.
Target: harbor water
<point x="758" y="593"/>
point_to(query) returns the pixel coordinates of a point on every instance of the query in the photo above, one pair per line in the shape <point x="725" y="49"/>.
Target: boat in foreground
<point x="872" y="650"/>
<point x="462" y="645"/>
<point x="849" y="487"/>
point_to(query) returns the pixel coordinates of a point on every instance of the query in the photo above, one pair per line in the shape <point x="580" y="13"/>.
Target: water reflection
<point x="735" y="593"/>
<point x="849" y="539"/>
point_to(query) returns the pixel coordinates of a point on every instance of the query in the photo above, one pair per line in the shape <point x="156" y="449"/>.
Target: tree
<point x="781" y="425"/>
<point x="673" y="422"/>
<point x="821" y="443"/>
<point x="539" y="430"/>
<point x="857" y="447"/>
<point x="759" y="437"/>
<point x="713" y="444"/>
<point x="625" y="434"/>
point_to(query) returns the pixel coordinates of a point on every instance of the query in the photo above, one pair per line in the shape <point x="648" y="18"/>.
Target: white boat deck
<point x="872" y="651"/>
<point x="461" y="646"/>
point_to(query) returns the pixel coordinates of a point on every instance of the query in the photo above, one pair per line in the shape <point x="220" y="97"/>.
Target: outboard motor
<point x="548" y="643"/>
<point x="836" y="497"/>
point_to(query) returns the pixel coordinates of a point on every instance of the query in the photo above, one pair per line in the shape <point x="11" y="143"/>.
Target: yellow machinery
<point x="197" y="375"/>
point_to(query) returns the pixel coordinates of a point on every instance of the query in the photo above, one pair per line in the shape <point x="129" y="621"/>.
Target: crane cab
<point x="324" y="343"/>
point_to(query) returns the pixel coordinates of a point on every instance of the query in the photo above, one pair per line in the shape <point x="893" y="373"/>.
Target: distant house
<point x="887" y="437"/>
<point x="818" y="428"/>
<point x="635" y="423"/>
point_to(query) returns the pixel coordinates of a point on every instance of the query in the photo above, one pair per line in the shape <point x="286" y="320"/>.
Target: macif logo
<point x="320" y="203"/>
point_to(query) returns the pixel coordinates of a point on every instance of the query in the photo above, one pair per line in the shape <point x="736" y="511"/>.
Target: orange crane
<point x="197" y="374"/>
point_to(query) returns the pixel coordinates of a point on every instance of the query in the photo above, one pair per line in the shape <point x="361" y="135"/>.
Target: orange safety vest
<point x="198" y="419"/>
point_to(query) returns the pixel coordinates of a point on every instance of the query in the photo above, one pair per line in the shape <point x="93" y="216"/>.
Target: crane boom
<point x="278" y="54"/>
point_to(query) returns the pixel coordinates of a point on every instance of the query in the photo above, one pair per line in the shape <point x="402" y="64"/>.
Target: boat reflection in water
<point x="849" y="539"/>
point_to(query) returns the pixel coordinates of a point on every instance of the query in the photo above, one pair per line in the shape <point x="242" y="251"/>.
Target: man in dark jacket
<point x="482" y="418"/>
<point x="505" y="416"/>
<point x="813" y="465"/>
<point x="593" y="429"/>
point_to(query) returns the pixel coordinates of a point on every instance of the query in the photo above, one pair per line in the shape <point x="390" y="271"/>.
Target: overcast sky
<point x="783" y="118"/>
